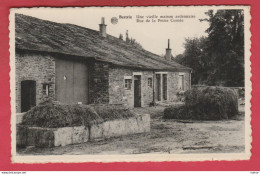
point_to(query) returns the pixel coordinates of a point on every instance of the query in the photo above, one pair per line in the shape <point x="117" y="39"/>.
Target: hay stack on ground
<point x="206" y="103"/>
<point x="111" y="112"/>
<point x="53" y="115"/>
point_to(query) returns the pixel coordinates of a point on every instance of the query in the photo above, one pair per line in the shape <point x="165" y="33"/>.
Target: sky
<point x="153" y="36"/>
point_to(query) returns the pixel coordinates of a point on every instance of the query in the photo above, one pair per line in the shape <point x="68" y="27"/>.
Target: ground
<point x="166" y="136"/>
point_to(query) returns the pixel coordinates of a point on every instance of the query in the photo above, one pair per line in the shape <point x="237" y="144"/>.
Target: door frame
<point x="159" y="87"/>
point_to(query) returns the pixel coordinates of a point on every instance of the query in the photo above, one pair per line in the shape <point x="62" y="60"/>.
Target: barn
<point x="77" y="65"/>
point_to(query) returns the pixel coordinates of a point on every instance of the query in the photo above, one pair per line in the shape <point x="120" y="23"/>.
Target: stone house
<point x="77" y="65"/>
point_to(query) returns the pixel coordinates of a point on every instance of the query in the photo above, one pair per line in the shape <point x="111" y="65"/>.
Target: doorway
<point x="137" y="91"/>
<point x="28" y="95"/>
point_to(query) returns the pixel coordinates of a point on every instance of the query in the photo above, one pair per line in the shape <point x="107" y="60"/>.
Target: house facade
<point x="76" y="65"/>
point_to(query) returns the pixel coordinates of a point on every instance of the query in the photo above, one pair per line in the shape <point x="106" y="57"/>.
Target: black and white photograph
<point x="107" y="84"/>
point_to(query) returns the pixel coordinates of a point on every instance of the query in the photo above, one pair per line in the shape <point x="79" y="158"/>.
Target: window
<point x="128" y="83"/>
<point x="45" y="89"/>
<point x="150" y="82"/>
<point x="181" y="82"/>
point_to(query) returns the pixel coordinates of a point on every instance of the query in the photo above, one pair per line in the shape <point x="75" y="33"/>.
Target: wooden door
<point x="71" y="81"/>
<point x="28" y="95"/>
<point x="80" y="82"/>
<point x="137" y="91"/>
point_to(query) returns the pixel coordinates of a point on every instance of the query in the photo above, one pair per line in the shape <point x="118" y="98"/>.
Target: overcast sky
<point x="152" y="36"/>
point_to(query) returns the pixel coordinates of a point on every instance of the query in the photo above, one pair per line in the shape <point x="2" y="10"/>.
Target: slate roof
<point x="40" y="35"/>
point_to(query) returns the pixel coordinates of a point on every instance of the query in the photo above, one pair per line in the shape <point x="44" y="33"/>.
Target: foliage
<point x="219" y="58"/>
<point x="206" y="103"/>
<point x="53" y="115"/>
<point x="120" y="36"/>
<point x="131" y="41"/>
<point x="196" y="58"/>
<point x="176" y="112"/>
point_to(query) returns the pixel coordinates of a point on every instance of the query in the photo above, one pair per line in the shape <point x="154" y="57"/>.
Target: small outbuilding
<point x="77" y="65"/>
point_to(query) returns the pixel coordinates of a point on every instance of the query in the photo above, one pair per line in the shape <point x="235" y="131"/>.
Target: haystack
<point x="112" y="112"/>
<point x="54" y="115"/>
<point x="206" y="103"/>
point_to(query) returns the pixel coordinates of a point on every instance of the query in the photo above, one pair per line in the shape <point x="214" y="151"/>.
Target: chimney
<point x="168" y="55"/>
<point x="102" y="28"/>
<point x="126" y="37"/>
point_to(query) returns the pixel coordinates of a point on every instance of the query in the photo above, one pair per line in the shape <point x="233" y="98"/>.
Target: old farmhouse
<point x="77" y="65"/>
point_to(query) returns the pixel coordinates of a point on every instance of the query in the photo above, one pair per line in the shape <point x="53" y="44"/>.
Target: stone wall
<point x="147" y="91"/>
<point x="119" y="127"/>
<point x="119" y="95"/>
<point x="117" y="92"/>
<point x="98" y="82"/>
<point x="37" y="67"/>
<point x="49" y="137"/>
<point x="19" y="117"/>
<point x="173" y="84"/>
<point x="106" y="83"/>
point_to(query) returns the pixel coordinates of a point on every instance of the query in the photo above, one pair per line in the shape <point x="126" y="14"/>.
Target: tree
<point x="219" y="58"/>
<point x="226" y="46"/>
<point x="132" y="41"/>
<point x="195" y="57"/>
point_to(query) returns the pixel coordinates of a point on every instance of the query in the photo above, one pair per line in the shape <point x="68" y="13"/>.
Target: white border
<point x="139" y="157"/>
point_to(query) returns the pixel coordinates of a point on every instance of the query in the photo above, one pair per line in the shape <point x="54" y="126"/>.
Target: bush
<point x="54" y="115"/>
<point x="175" y="112"/>
<point x="207" y="103"/>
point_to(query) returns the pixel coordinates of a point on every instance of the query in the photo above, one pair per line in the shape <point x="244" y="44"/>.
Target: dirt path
<point x="166" y="136"/>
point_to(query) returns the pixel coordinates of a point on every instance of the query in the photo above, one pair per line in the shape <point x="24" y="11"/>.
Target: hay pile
<point x="206" y="103"/>
<point x="53" y="115"/>
<point x="112" y="112"/>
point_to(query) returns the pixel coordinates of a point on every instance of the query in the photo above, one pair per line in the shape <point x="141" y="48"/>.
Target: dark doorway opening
<point x="28" y="95"/>
<point x="137" y="91"/>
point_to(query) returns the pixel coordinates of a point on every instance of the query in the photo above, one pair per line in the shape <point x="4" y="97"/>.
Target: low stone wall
<point x="19" y="117"/>
<point x="49" y="137"/>
<point x="120" y="127"/>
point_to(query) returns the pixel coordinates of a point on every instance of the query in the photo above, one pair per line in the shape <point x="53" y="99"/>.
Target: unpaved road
<point x="166" y="136"/>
